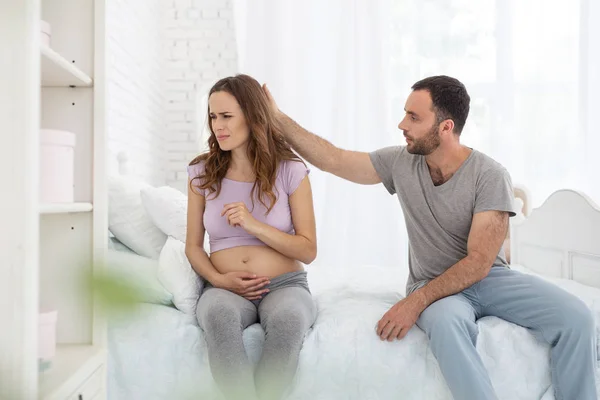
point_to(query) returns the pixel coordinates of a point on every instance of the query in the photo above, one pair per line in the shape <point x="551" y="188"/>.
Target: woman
<point x="252" y="195"/>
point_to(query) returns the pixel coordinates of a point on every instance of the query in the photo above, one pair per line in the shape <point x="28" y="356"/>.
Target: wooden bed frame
<point x="560" y="239"/>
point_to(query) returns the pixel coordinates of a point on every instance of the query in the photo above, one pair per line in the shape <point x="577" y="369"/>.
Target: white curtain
<point x="343" y="69"/>
<point x="531" y="67"/>
<point x="323" y="61"/>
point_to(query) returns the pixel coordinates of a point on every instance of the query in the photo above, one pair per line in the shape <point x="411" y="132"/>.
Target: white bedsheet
<point x="161" y="354"/>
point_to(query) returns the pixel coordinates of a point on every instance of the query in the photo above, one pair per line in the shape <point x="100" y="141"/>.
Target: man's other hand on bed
<point x="245" y="284"/>
<point x="398" y="320"/>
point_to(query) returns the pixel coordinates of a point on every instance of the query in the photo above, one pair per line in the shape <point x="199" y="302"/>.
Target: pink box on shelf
<point x="57" y="158"/>
<point x="46" y="32"/>
<point x="47" y="335"/>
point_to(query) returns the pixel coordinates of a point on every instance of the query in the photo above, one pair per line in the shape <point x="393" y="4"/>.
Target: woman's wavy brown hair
<point x="266" y="145"/>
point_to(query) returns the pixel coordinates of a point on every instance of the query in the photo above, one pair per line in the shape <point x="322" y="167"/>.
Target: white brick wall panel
<point x="204" y="29"/>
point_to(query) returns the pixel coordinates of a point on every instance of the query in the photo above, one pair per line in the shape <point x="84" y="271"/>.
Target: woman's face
<point x="227" y="121"/>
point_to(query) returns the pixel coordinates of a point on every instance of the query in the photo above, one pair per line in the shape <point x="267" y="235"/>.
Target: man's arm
<point x="350" y="165"/>
<point x="487" y="233"/>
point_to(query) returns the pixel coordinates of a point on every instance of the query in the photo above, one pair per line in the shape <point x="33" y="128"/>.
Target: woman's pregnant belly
<point x="259" y="260"/>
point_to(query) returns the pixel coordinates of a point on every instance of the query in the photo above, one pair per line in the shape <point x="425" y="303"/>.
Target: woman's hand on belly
<point x="245" y="284"/>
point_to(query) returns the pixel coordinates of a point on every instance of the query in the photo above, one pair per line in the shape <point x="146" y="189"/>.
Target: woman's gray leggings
<point x="286" y="313"/>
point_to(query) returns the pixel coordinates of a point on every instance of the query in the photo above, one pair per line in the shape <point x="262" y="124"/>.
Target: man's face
<point x="419" y="125"/>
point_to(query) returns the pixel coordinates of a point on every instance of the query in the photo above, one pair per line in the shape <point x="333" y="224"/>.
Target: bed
<point x="159" y="352"/>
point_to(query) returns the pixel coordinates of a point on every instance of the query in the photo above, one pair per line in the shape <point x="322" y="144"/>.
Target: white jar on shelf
<point x="47" y="336"/>
<point x="57" y="158"/>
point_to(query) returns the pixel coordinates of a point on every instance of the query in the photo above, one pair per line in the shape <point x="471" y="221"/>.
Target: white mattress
<point x="161" y="354"/>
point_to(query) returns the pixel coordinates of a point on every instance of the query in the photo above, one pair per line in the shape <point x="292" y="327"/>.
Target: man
<point x="457" y="202"/>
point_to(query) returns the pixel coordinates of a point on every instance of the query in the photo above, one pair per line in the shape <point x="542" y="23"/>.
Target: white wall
<point x="135" y="74"/>
<point x="199" y="49"/>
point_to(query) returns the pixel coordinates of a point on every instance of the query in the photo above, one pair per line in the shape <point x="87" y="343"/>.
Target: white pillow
<point x="177" y="276"/>
<point x="128" y="220"/>
<point x="117" y="245"/>
<point x="140" y="274"/>
<point x="167" y="208"/>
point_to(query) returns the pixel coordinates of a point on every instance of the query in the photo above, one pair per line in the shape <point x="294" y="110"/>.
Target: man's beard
<point x="425" y="145"/>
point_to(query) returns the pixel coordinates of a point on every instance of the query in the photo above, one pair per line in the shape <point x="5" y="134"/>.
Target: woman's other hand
<point x="245" y="284"/>
<point x="237" y="214"/>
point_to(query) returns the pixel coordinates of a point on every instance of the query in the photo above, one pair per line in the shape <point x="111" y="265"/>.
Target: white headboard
<point x="560" y="239"/>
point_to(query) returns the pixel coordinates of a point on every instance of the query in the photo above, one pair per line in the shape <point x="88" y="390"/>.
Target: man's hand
<point x="271" y="100"/>
<point x="396" y="323"/>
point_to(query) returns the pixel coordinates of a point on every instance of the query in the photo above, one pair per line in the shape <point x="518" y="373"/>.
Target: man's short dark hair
<point x="450" y="99"/>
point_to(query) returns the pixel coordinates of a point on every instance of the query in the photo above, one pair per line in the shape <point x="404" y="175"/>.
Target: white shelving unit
<point x="50" y="251"/>
<point x="76" y="371"/>
<point x="57" y="71"/>
<point x="61" y="208"/>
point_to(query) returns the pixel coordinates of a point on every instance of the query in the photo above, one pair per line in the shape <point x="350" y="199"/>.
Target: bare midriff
<point x="259" y="260"/>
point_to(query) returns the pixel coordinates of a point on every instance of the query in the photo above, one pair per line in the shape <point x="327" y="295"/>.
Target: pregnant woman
<point x="252" y="195"/>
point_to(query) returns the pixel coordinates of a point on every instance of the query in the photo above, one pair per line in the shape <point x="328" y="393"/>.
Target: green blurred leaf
<point x="115" y="294"/>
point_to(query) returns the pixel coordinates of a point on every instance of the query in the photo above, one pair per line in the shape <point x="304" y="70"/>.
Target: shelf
<point x="71" y="364"/>
<point x="63" y="208"/>
<point x="57" y="71"/>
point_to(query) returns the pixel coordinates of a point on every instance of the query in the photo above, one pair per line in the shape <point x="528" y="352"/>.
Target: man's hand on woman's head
<point x="271" y="99"/>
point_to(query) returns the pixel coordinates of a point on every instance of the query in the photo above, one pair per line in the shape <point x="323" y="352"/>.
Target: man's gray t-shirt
<point x="438" y="218"/>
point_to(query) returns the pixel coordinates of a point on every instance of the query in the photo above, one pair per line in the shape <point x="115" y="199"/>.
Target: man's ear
<point x="447" y="126"/>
